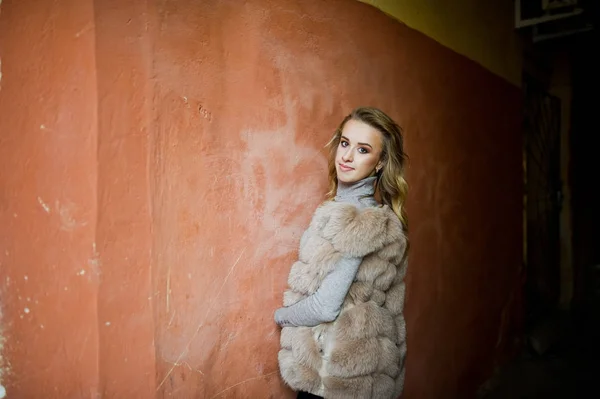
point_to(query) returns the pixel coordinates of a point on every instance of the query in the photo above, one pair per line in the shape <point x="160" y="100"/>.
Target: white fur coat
<point x="361" y="354"/>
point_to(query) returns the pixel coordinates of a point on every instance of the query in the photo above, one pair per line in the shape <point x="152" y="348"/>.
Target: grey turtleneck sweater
<point x="325" y="304"/>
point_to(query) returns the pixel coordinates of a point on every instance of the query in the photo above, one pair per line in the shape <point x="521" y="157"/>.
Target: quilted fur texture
<point x="360" y="354"/>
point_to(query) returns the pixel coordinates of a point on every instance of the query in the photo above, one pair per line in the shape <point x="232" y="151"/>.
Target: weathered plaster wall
<point x="186" y="139"/>
<point x="48" y="196"/>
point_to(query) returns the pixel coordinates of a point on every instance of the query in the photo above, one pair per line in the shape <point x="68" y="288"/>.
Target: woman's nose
<point x="347" y="156"/>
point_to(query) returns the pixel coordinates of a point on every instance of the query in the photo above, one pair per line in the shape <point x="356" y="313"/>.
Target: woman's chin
<point x="347" y="178"/>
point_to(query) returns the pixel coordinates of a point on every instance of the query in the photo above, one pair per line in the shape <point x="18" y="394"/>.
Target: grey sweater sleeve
<point x="325" y="304"/>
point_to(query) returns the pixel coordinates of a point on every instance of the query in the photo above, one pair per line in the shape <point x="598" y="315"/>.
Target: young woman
<point x="344" y="334"/>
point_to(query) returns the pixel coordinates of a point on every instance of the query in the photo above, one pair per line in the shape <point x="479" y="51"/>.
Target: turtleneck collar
<point x="359" y="193"/>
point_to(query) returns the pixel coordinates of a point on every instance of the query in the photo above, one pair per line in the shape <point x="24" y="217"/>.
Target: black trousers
<point x="306" y="395"/>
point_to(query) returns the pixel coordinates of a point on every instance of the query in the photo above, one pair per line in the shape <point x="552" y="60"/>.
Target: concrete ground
<point x="569" y="369"/>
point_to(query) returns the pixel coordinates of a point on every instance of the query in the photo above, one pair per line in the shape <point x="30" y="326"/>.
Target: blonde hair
<point x="390" y="183"/>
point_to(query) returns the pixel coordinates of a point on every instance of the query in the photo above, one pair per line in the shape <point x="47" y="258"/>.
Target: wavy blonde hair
<point x="390" y="185"/>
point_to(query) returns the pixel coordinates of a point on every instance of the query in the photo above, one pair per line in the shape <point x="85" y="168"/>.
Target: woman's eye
<point x="363" y="150"/>
<point x="344" y="144"/>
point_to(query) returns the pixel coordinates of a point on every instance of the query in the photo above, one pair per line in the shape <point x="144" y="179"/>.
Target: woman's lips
<point x="345" y="168"/>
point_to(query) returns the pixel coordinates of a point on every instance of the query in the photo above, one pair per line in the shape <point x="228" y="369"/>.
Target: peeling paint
<point x="94" y="262"/>
<point x="43" y="205"/>
<point x="89" y="26"/>
<point x="4" y="366"/>
<point x="68" y="221"/>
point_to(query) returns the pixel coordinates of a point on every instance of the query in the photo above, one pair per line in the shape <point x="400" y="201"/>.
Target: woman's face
<point x="359" y="152"/>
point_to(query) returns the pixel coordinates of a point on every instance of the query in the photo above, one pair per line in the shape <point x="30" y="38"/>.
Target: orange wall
<point x="48" y="196"/>
<point x="160" y="161"/>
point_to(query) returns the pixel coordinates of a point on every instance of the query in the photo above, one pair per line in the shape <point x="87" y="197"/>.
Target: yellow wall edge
<point x="481" y="30"/>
